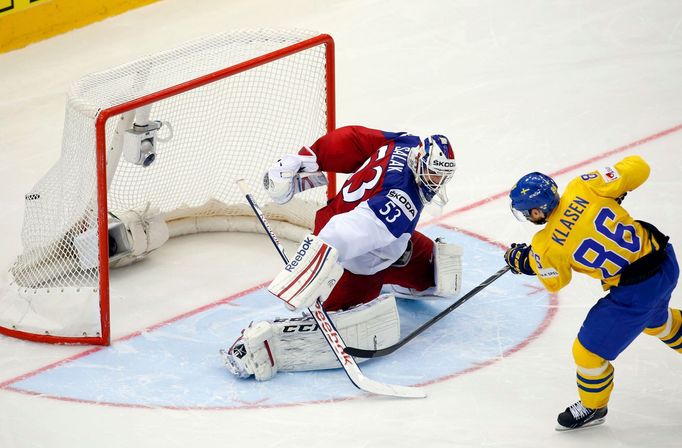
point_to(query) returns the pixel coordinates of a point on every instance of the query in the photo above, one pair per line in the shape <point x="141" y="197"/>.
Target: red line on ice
<point x="565" y="170"/>
<point x="548" y="318"/>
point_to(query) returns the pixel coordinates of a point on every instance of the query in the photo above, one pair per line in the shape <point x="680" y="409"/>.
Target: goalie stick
<point x="362" y="353"/>
<point x="328" y="329"/>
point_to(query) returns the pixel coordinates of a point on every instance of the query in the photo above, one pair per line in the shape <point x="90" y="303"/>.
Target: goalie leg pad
<point x="447" y="268"/>
<point x="447" y="273"/>
<point x="297" y="344"/>
<point x="311" y="274"/>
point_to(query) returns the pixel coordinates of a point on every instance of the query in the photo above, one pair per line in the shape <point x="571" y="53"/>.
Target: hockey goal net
<point x="151" y="150"/>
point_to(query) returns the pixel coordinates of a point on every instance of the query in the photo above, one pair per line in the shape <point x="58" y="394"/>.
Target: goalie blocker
<point x="311" y="274"/>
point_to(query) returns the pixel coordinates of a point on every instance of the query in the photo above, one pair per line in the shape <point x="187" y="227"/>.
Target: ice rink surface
<point x="555" y="86"/>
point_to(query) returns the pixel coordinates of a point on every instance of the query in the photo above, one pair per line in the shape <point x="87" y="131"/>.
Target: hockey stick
<point x="361" y="353"/>
<point x="327" y="328"/>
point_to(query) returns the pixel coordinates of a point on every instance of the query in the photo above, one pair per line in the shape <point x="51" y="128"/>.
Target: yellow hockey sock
<point x="671" y="331"/>
<point x="594" y="377"/>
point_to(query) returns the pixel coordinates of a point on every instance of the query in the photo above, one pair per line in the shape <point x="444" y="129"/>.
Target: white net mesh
<point x="216" y="133"/>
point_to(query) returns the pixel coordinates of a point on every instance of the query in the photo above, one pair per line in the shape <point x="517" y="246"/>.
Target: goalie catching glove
<point x="517" y="257"/>
<point x="310" y="275"/>
<point x="292" y="174"/>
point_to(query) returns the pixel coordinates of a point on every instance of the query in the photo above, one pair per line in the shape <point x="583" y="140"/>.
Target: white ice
<point x="518" y="86"/>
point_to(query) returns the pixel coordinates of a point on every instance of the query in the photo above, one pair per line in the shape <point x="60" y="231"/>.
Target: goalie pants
<point x="353" y="289"/>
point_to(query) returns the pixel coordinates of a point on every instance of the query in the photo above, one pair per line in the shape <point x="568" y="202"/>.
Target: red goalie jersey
<point x="372" y="220"/>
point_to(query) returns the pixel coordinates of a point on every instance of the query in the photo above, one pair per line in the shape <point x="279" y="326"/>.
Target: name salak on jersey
<point x="398" y="159"/>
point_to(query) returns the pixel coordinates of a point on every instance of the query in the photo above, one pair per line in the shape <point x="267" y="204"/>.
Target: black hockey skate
<point x="578" y="416"/>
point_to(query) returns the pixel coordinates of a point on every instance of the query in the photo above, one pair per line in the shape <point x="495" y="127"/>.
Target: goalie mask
<point x="433" y="165"/>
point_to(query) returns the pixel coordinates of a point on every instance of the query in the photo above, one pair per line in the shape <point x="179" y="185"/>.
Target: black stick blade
<point x="360" y="353"/>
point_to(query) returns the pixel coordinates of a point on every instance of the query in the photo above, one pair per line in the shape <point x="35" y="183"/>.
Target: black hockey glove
<point x="517" y="259"/>
<point x="620" y="198"/>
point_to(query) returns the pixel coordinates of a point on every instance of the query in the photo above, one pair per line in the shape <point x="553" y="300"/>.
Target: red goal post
<point x="200" y="116"/>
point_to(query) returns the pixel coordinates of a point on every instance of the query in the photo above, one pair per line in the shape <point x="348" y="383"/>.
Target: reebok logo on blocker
<point x="299" y="255"/>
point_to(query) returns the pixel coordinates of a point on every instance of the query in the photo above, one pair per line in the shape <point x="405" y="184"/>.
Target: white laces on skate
<point x="578" y="410"/>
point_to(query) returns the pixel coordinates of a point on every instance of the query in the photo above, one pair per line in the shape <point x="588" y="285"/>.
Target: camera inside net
<point x="139" y="143"/>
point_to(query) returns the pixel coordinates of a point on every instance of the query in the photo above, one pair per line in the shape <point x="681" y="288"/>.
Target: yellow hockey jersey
<point x="589" y="231"/>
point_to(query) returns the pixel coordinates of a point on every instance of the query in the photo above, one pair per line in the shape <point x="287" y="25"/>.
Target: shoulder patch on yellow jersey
<point x="609" y="174"/>
<point x="548" y="273"/>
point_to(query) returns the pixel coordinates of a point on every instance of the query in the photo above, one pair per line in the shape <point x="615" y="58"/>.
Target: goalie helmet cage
<point x="228" y="106"/>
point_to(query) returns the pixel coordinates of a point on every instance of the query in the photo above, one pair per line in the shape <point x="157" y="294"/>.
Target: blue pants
<point x="617" y="319"/>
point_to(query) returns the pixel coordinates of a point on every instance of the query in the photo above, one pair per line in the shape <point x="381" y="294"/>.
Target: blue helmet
<point x="534" y="190"/>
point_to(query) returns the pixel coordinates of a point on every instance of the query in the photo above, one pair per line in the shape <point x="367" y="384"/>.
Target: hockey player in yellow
<point x="588" y="231"/>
